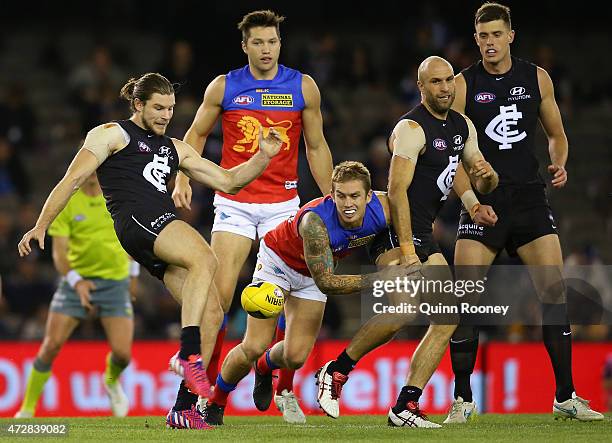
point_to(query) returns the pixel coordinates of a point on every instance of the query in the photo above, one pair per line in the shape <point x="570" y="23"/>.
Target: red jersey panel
<point x="286" y="242"/>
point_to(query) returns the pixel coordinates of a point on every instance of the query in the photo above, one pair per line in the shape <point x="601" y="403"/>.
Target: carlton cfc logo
<point x="484" y="97"/>
<point x="243" y="100"/>
<point x="439" y="144"/>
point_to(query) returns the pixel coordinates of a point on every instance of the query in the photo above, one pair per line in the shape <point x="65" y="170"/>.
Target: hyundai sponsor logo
<point x="517" y="90"/>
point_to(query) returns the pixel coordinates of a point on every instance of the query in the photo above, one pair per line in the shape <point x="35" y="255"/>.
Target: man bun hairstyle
<point x="264" y="18"/>
<point x="352" y="170"/>
<point x="491" y="11"/>
<point x="144" y="87"/>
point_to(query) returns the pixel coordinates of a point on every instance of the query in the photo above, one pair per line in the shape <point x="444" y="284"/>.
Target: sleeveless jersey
<point x="286" y="242"/>
<point x="435" y="170"/>
<point x="248" y="104"/>
<point x="505" y="111"/>
<point x="135" y="178"/>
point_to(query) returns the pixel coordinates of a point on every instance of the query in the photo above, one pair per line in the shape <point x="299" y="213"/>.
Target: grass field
<point x="486" y="428"/>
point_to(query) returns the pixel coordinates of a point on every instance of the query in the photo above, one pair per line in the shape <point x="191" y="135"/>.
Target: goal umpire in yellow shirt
<point x="95" y="280"/>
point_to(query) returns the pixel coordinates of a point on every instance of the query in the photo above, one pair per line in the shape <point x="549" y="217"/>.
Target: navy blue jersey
<point x="135" y="179"/>
<point x="505" y="111"/>
<point x="435" y="169"/>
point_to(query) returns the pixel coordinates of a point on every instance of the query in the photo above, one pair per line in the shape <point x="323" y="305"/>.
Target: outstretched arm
<point x="317" y="151"/>
<point x="320" y="261"/>
<point x="99" y="144"/>
<point x="232" y="180"/>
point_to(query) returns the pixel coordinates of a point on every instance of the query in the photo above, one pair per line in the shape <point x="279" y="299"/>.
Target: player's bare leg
<point x="544" y="260"/>
<point x="428" y="354"/>
<point x="232" y="251"/>
<point x="473" y="260"/>
<point x="185" y="409"/>
<point x="58" y="329"/>
<point x="213" y="316"/>
<point x="237" y="364"/>
<point x="119" y="332"/>
<point x="381" y="328"/>
<point x="182" y="247"/>
<point x="257" y="338"/>
<point x="303" y="319"/>
<point x="377" y="331"/>
<point x="212" y="312"/>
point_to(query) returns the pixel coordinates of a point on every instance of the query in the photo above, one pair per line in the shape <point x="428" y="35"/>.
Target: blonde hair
<point x="352" y="170"/>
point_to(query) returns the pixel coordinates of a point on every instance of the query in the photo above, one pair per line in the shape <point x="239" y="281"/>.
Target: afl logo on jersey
<point x="439" y="144"/>
<point x="484" y="97"/>
<point x="517" y="90"/>
<point x="143" y="147"/>
<point x="243" y="100"/>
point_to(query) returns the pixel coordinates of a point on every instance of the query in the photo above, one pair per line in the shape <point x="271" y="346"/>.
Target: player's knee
<point x="253" y="350"/>
<point x="225" y="298"/>
<point x="202" y="258"/>
<point x="294" y="359"/>
<point x="443" y="331"/>
<point x="397" y="322"/>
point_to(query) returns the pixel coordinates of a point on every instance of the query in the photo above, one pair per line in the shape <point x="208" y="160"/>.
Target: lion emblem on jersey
<point x="249" y="126"/>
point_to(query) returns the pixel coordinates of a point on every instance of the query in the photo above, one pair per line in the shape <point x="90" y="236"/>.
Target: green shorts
<point x="111" y="299"/>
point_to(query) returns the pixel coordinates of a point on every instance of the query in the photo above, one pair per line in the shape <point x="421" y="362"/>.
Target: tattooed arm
<point x="320" y="261"/>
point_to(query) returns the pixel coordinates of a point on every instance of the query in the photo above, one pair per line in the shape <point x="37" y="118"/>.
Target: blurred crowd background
<point x="63" y="66"/>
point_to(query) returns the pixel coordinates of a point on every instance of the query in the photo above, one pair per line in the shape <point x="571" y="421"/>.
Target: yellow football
<point x="262" y="299"/>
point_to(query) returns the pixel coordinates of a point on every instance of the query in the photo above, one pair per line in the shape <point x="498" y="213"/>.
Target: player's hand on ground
<point x="484" y="216"/>
<point x="37" y="234"/>
<point x="559" y="175"/>
<point x="83" y="288"/>
<point x="181" y="195"/>
<point x="482" y="169"/>
<point x="271" y="144"/>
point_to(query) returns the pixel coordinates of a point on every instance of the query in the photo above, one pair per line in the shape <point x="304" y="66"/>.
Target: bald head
<point x="436" y="82"/>
<point x="432" y="64"/>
